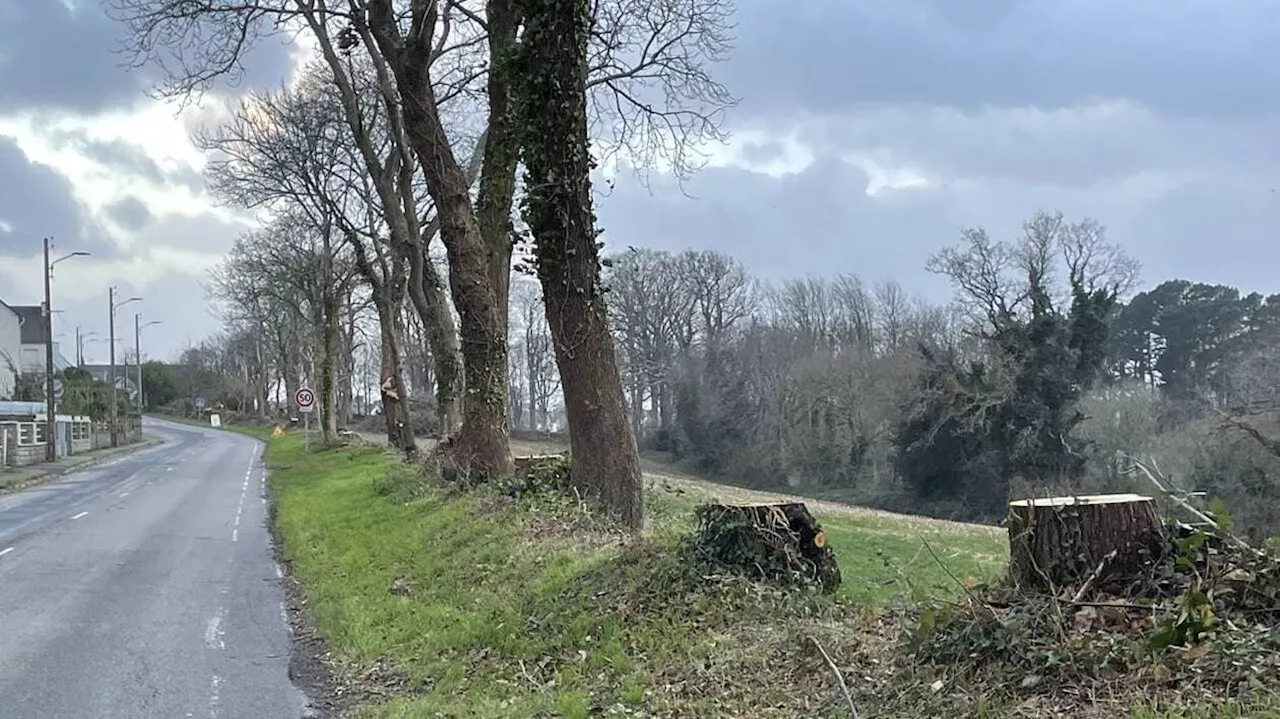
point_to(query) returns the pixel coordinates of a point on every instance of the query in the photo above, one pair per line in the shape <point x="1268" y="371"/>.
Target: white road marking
<point x="213" y="631"/>
<point x="235" y="535"/>
<point x="10" y="549"/>
<point x="213" y="695"/>
<point x="123" y="495"/>
<point x="279" y="571"/>
<point x="80" y="515"/>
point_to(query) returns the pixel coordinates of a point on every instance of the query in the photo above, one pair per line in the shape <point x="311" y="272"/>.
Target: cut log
<point x="1103" y="540"/>
<point x="773" y="541"/>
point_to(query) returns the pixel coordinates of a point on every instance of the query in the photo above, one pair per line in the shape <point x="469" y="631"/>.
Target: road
<point x="146" y="587"/>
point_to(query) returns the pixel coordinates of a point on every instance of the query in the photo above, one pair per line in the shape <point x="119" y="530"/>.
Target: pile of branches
<point x="540" y="474"/>
<point x="1204" y="615"/>
<point x="782" y="543"/>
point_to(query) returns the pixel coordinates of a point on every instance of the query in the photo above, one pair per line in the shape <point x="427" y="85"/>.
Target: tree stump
<point x="774" y="541"/>
<point x="1102" y="540"/>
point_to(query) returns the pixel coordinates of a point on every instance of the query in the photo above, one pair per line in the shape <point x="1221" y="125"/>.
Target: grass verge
<point x="441" y="603"/>
<point x="480" y="605"/>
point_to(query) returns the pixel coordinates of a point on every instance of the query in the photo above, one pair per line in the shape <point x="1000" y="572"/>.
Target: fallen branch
<point x="1088" y="582"/>
<point x="1167" y="491"/>
<point x="844" y="688"/>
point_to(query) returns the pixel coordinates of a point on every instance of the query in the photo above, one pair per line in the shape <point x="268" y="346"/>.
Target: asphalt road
<point x="145" y="587"/>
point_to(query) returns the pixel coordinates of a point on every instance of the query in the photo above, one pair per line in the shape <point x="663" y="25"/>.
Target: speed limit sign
<point x="305" y="399"/>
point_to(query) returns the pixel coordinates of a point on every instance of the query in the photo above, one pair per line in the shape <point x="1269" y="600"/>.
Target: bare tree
<point x="426" y="56"/>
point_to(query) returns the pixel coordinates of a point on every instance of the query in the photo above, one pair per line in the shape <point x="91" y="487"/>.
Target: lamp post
<point x="80" y="340"/>
<point x="111" y="341"/>
<point x="50" y="418"/>
<point x="137" y="353"/>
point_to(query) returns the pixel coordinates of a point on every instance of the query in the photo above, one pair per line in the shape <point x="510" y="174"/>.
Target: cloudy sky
<point x="868" y="135"/>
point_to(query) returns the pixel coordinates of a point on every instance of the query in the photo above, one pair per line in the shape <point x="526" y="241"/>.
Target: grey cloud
<point x="1189" y="58"/>
<point x="820" y="221"/>
<point x="130" y="213"/>
<point x="36" y="202"/>
<point x="203" y="233"/>
<point x="127" y="159"/>
<point x="762" y="153"/>
<point x="1066" y="146"/>
<point x="53" y="56"/>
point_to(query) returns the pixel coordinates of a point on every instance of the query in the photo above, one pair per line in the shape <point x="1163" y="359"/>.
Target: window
<point x="26" y="434"/>
<point x="40" y="428"/>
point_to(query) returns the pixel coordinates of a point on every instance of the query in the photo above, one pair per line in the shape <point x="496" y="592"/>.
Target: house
<point x="10" y="350"/>
<point x="34" y="338"/>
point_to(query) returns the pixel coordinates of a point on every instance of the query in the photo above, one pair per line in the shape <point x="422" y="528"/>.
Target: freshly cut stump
<point x="775" y="541"/>
<point x="1104" y="540"/>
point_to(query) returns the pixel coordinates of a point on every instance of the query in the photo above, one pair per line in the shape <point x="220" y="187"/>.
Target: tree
<point x="650" y="84"/>
<point x="558" y="210"/>
<point x="1009" y="413"/>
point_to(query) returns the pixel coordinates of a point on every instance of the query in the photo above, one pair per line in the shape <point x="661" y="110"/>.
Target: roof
<point x="31" y="320"/>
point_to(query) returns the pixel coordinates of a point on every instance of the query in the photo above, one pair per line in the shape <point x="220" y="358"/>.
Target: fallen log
<point x="1099" y="540"/>
<point x="773" y="541"/>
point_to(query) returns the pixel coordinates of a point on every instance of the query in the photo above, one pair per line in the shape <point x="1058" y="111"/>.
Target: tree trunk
<point x="559" y="213"/>
<point x="328" y="395"/>
<point x="427" y="294"/>
<point x="501" y="151"/>
<point x="1105" y="540"/>
<point x="395" y="407"/>
<point x="482" y="445"/>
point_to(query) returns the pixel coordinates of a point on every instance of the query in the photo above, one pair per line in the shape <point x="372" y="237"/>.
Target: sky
<point x="868" y="135"/>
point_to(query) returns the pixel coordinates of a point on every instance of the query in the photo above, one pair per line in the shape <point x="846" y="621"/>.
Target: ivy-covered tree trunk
<point x="328" y="347"/>
<point x="328" y="393"/>
<point x="427" y="294"/>
<point x="559" y="212"/>
<point x="501" y="150"/>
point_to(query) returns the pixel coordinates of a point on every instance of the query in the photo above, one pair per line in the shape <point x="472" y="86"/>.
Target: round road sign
<point x="304" y="398"/>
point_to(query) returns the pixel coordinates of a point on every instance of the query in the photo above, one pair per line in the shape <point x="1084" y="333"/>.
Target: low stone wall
<point x="24" y="456"/>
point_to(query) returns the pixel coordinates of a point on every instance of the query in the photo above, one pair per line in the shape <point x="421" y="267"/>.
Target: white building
<point x="10" y="349"/>
<point x="27" y="354"/>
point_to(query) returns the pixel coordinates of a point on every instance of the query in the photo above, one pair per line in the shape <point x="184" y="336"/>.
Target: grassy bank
<point x="479" y="605"/>
<point x="441" y="603"/>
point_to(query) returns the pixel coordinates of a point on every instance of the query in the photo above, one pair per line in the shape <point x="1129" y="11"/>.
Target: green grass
<point x="472" y="607"/>
<point x="438" y="603"/>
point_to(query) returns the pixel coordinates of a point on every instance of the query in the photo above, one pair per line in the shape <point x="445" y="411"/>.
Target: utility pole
<point x="111" y="342"/>
<point x="50" y="417"/>
<point x="138" y="324"/>
<point x="137" y="353"/>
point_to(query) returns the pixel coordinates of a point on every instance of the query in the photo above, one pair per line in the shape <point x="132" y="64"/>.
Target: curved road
<point x="145" y="587"/>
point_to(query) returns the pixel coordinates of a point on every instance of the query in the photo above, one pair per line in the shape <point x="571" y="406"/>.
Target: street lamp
<point x="111" y="342"/>
<point x="50" y="418"/>
<point x="80" y="338"/>
<point x="137" y="352"/>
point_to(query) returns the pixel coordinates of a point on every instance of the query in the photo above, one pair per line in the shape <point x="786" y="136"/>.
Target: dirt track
<point x="659" y="475"/>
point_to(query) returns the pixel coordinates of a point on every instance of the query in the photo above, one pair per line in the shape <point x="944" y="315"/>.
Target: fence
<point x="22" y="442"/>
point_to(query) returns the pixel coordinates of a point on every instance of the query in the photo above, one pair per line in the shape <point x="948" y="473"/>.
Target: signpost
<point x="200" y="401"/>
<point x="306" y="401"/>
